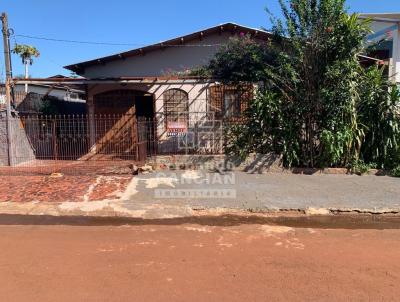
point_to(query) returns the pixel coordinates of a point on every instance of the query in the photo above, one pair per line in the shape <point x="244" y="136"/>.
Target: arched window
<point x="176" y="105"/>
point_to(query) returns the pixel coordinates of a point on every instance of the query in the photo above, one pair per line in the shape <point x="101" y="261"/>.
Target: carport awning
<point x="384" y="34"/>
<point x="121" y="80"/>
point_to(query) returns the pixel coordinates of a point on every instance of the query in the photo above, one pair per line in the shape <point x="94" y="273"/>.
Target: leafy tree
<point x="316" y="102"/>
<point x="243" y="60"/>
<point x="27" y="53"/>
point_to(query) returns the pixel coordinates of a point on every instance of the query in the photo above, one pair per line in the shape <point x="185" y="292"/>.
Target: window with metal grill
<point x="176" y="105"/>
<point x="229" y="101"/>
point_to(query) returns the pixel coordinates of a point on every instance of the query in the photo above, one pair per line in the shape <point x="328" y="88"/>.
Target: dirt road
<point x="197" y="262"/>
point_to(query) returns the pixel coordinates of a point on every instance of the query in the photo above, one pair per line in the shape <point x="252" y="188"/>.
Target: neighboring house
<point x="61" y="92"/>
<point x="29" y="134"/>
<point x="68" y="99"/>
<point x="386" y="36"/>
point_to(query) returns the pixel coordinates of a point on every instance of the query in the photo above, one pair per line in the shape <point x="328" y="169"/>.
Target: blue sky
<point x="129" y="21"/>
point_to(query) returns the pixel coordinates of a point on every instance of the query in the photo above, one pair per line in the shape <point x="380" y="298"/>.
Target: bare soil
<point x="197" y="262"/>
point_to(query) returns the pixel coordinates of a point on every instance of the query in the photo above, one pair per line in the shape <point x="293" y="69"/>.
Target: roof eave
<point x="122" y="80"/>
<point x="232" y="27"/>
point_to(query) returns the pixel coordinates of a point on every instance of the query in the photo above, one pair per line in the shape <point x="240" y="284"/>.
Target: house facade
<point x="157" y="73"/>
<point x="144" y="101"/>
<point x="151" y="83"/>
<point x="139" y="103"/>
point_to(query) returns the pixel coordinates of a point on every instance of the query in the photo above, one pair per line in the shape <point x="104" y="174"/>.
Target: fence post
<point x="10" y="149"/>
<point x="54" y="134"/>
<point x="91" y="124"/>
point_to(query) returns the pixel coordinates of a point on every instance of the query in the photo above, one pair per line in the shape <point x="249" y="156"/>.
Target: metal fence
<point x="103" y="143"/>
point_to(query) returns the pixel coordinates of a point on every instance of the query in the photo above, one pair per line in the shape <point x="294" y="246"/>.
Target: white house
<point x="150" y="82"/>
<point x="61" y="92"/>
<point x="27" y="98"/>
<point x="386" y="32"/>
<point x="151" y="74"/>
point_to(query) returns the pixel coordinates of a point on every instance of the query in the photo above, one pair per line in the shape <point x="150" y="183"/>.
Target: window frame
<point x="240" y="98"/>
<point x="173" y="112"/>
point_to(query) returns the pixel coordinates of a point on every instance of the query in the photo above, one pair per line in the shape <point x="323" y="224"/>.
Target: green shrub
<point x="395" y="172"/>
<point x="359" y="167"/>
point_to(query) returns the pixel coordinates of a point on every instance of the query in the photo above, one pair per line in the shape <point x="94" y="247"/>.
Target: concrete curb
<point x="158" y="211"/>
<point x="255" y="163"/>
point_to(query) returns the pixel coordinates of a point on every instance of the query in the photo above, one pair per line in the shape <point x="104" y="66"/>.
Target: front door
<point x="124" y="123"/>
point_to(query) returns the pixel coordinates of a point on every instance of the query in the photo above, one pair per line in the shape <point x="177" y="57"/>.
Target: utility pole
<point x="8" y="82"/>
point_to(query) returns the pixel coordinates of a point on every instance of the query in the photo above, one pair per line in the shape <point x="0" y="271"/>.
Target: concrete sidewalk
<point x="170" y="194"/>
<point x="274" y="191"/>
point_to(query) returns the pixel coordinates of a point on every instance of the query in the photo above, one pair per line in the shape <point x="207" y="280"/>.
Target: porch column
<point x="159" y="114"/>
<point x="92" y="124"/>
<point x="396" y="54"/>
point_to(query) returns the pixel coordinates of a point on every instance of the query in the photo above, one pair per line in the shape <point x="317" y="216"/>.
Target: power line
<point x="75" y="41"/>
<point x="111" y="44"/>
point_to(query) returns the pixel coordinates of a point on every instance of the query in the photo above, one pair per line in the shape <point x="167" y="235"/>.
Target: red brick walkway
<point x="47" y="167"/>
<point x="61" y="189"/>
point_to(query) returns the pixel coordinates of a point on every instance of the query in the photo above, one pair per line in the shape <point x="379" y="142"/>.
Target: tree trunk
<point x="26" y="75"/>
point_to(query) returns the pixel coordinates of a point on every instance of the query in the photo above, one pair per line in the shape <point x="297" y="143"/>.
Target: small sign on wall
<point x="176" y="128"/>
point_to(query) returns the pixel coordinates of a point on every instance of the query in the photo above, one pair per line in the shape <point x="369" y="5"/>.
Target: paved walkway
<point x="61" y="189"/>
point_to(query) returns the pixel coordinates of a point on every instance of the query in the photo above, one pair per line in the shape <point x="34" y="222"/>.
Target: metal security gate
<point x="81" y="144"/>
<point x="77" y="143"/>
<point x="57" y="137"/>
